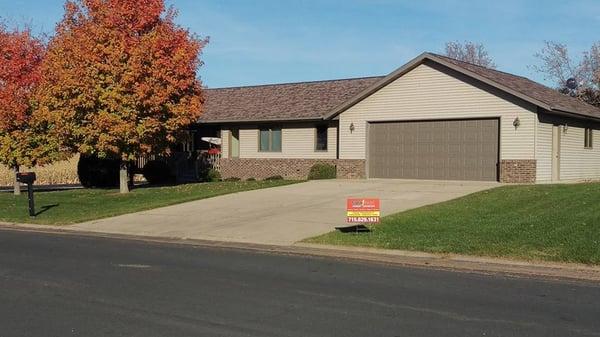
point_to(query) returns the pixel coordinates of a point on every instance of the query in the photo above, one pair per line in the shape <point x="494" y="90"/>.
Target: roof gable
<point x="518" y="86"/>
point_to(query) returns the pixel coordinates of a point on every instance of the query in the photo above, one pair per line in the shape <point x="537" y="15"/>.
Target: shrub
<point x="232" y="179"/>
<point x="94" y="172"/>
<point x="275" y="178"/>
<point x="210" y="175"/>
<point x="158" y="172"/>
<point x="322" y="171"/>
<point x="251" y="179"/>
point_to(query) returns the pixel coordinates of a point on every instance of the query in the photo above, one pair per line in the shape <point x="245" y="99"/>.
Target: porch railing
<point x="187" y="166"/>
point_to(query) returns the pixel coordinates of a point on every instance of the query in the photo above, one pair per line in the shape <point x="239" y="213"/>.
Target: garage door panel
<point x="456" y="150"/>
<point x="454" y="137"/>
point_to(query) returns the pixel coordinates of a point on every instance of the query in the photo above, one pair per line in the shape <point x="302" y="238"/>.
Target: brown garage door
<point x="449" y="150"/>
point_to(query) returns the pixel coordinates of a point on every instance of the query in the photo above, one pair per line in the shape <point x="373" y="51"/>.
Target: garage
<point x="441" y="149"/>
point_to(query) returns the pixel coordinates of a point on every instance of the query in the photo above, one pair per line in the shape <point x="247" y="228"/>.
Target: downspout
<point x="337" y="142"/>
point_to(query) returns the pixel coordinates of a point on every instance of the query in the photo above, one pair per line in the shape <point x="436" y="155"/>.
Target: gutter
<point x="254" y="121"/>
<point x="573" y="115"/>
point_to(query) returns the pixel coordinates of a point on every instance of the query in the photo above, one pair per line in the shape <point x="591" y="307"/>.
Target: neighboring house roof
<point x="524" y="88"/>
<point x="280" y="102"/>
<point x="327" y="99"/>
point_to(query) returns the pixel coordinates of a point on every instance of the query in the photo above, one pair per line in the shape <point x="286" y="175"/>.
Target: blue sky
<point x="270" y="41"/>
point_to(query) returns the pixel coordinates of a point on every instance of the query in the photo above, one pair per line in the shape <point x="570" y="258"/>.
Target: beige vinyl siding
<point x="577" y="162"/>
<point x="297" y="141"/>
<point x="225" y="143"/>
<point x="428" y="94"/>
<point x="544" y="152"/>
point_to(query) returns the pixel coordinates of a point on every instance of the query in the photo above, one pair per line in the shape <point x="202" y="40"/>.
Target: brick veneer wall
<point x="522" y="171"/>
<point x="245" y="168"/>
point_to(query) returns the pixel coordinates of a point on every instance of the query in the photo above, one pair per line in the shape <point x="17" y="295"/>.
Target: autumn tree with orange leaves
<point x="120" y="79"/>
<point x="21" y="55"/>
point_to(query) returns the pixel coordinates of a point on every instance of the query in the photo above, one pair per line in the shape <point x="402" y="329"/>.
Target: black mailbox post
<point x="28" y="178"/>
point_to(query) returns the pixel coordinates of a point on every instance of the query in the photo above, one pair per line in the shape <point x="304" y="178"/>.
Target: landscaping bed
<point x="537" y="222"/>
<point x="73" y="206"/>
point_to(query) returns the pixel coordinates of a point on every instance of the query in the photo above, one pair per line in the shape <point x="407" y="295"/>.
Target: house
<point x="433" y="118"/>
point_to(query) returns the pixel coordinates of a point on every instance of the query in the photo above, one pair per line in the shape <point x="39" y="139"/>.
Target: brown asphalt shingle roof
<point x="551" y="97"/>
<point x="326" y="99"/>
<point x="292" y="101"/>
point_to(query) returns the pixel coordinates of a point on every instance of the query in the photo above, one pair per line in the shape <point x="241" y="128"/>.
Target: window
<point x="321" y="138"/>
<point x="270" y="140"/>
<point x="588" y="138"/>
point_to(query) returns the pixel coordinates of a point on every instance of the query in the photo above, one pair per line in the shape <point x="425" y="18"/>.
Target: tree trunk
<point x="17" y="185"/>
<point x="124" y="177"/>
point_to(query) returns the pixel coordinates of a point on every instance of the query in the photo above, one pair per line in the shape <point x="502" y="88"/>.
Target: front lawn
<point x="67" y="207"/>
<point x="541" y="222"/>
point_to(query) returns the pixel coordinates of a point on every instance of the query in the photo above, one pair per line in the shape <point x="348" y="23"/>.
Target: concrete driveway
<point x="281" y="215"/>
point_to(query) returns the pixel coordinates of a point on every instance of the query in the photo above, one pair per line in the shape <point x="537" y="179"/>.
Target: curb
<point x="448" y="262"/>
<point x="465" y="263"/>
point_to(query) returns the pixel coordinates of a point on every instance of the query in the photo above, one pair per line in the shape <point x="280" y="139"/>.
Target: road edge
<point x="447" y="262"/>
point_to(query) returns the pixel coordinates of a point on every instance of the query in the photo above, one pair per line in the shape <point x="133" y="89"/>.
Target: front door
<point x="556" y="130"/>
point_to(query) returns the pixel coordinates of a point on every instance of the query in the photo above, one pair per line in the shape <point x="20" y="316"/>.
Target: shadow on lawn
<point x="45" y="209"/>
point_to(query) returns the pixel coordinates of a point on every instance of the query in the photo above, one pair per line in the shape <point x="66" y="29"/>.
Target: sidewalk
<point x="451" y="262"/>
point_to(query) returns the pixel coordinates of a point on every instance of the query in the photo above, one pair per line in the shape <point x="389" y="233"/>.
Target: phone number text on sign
<point x="362" y="211"/>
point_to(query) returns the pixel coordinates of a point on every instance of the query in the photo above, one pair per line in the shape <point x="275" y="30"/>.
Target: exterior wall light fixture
<point x="565" y="128"/>
<point x="352" y="128"/>
<point x="517" y="123"/>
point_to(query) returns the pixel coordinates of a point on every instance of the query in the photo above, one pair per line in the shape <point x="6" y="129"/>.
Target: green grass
<point x="67" y="207"/>
<point x="541" y="222"/>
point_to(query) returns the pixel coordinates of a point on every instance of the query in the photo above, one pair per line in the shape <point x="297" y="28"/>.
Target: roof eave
<point x="269" y="120"/>
<point x="485" y="80"/>
<point x="566" y="113"/>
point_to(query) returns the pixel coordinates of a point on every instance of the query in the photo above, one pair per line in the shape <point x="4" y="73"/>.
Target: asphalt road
<point x="74" y="286"/>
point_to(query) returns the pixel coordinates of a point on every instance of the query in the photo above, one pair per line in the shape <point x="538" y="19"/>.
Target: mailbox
<point x="26" y="177"/>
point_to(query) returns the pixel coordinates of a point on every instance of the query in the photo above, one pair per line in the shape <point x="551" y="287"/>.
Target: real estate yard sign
<point x="363" y="211"/>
